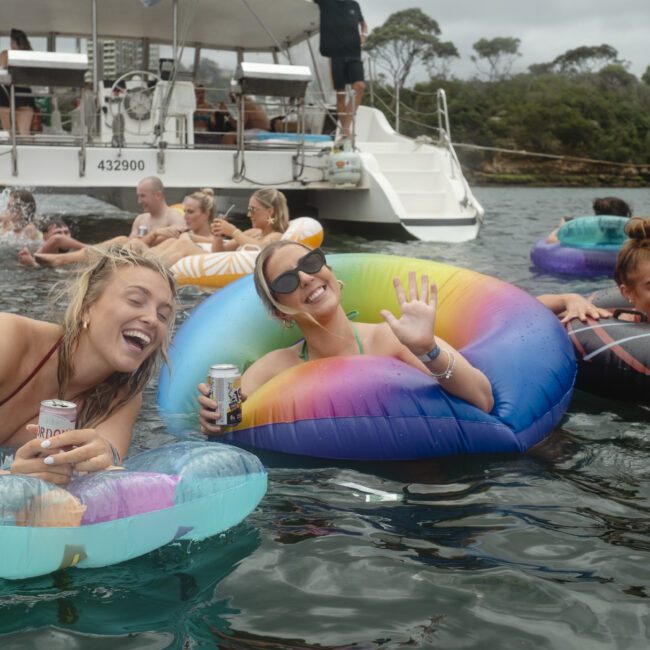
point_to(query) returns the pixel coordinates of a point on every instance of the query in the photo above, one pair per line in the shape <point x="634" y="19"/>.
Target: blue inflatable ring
<point x="188" y="490"/>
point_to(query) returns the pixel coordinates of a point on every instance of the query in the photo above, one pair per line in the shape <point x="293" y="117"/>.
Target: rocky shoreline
<point x="509" y="169"/>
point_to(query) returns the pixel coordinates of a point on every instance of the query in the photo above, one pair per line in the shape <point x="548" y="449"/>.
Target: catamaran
<point x="140" y="122"/>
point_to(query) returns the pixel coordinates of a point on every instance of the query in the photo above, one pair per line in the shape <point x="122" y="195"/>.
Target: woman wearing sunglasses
<point x="296" y="285"/>
<point x="269" y="215"/>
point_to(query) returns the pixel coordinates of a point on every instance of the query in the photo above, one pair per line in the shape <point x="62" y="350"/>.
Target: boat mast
<point x="174" y="30"/>
<point x="95" y="50"/>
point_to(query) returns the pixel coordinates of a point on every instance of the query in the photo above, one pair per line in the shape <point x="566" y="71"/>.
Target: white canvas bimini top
<point x="253" y="25"/>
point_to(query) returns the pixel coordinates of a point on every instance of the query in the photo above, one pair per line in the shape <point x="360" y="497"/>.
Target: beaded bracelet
<point x="449" y="371"/>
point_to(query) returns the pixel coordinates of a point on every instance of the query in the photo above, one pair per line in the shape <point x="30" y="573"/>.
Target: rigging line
<point x="182" y="39"/>
<point x="523" y="152"/>
<point x="266" y="29"/>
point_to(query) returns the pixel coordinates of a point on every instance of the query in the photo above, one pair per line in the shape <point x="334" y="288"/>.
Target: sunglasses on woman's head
<point x="289" y="281"/>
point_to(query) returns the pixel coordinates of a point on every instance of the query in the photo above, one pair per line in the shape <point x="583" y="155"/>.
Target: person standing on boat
<point x="342" y="32"/>
<point x="24" y="103"/>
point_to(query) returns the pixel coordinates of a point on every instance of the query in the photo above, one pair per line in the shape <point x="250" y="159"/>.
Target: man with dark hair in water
<point x="342" y="32"/>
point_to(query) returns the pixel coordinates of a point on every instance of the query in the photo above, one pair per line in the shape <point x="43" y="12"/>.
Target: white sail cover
<point x="255" y="25"/>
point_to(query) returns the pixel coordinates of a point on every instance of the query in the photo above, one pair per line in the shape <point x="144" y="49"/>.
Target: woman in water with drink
<point x="269" y="215"/>
<point x="296" y="285"/>
<point x="116" y="327"/>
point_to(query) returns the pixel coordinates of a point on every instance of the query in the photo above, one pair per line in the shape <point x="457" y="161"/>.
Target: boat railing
<point x="444" y="140"/>
<point x="50" y="69"/>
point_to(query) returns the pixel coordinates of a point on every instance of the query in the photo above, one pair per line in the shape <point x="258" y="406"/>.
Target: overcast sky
<point x="546" y="27"/>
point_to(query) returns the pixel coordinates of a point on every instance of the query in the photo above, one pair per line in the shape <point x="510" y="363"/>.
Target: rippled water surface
<point x="546" y="550"/>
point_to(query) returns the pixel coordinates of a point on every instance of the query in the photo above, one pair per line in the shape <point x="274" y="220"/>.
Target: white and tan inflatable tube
<point x="219" y="269"/>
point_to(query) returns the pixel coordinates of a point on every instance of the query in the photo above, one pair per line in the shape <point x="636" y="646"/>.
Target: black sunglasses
<point x="289" y="281"/>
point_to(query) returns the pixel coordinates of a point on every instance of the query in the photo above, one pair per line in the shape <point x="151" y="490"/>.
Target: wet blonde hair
<point x="634" y="251"/>
<point x="205" y="199"/>
<point x="101" y="401"/>
<point x="269" y="197"/>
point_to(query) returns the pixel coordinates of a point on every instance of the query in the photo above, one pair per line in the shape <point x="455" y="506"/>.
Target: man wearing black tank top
<point x="342" y="32"/>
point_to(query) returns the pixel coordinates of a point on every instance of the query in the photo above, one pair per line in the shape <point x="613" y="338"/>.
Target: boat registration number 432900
<point x="120" y="165"/>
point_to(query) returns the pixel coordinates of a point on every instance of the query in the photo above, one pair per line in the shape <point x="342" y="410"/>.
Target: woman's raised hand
<point x="414" y="328"/>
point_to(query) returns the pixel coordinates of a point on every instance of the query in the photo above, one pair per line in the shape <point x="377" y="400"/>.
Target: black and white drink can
<point x="142" y="230"/>
<point x="55" y="417"/>
<point x="224" y="382"/>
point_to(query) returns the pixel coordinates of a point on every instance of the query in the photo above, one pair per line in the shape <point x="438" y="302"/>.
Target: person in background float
<point x="56" y="239"/>
<point x="298" y="287"/>
<point x="24" y="103"/>
<point x="157" y="218"/>
<point x="608" y="205"/>
<point x="20" y="216"/>
<point x="116" y="327"/>
<point x="632" y="276"/>
<point x="269" y="215"/>
<point x="199" y="211"/>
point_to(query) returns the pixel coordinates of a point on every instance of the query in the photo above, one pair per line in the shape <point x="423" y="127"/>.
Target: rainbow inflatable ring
<point x="188" y="490"/>
<point x="219" y="269"/>
<point x="587" y="247"/>
<point x="376" y="408"/>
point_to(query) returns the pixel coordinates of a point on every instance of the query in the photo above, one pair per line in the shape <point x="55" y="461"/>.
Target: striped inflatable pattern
<point x="613" y="355"/>
<point x="219" y="269"/>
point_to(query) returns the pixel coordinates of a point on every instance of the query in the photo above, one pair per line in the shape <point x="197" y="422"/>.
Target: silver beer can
<point x="55" y="417"/>
<point x="142" y="230"/>
<point x="224" y="382"/>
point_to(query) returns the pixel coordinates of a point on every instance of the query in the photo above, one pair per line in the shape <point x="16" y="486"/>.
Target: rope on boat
<point x="523" y="152"/>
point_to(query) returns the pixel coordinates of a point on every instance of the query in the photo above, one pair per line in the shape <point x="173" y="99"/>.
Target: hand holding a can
<point x="29" y="460"/>
<point x="208" y="412"/>
<point x="54" y="459"/>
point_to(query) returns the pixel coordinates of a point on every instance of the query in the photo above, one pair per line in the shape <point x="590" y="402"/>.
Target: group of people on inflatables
<point x="632" y="276"/>
<point x="200" y="229"/>
<point x="120" y="309"/>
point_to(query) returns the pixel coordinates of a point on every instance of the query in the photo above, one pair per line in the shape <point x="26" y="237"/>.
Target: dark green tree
<point x="585" y="58"/>
<point x="401" y="42"/>
<point x="645" y="77"/>
<point x="437" y="58"/>
<point x="499" y="53"/>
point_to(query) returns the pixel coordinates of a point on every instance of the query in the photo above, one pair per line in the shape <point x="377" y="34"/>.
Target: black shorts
<point x="346" y="70"/>
<point x="20" y="101"/>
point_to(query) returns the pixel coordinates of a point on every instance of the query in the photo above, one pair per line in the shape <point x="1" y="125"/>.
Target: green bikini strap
<point x="304" y="353"/>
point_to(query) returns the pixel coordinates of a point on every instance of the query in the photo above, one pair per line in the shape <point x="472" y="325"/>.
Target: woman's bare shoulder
<point x="21" y="335"/>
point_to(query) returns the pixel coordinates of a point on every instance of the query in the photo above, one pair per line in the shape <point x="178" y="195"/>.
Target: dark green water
<point x="547" y="550"/>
